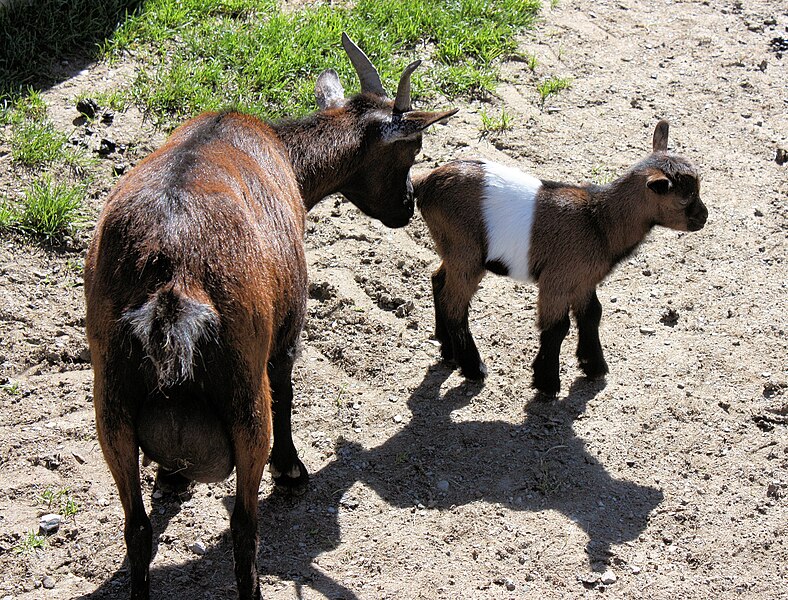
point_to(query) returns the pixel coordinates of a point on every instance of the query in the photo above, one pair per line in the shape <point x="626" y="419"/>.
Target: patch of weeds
<point x="497" y="124"/>
<point x="30" y="543"/>
<point x="50" y="209"/>
<point x="35" y="143"/>
<point x="59" y="500"/>
<point x="551" y="86"/>
<point x="6" y="215"/>
<point x="76" y="266"/>
<point x="547" y="482"/>
<point x="115" y="100"/>
<point x="532" y="62"/>
<point x="11" y="388"/>
<point x="35" y="36"/>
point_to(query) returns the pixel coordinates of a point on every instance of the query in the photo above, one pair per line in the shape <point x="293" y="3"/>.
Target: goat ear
<point x="414" y="122"/>
<point x="328" y="89"/>
<point x="660" y="143"/>
<point x="659" y="183"/>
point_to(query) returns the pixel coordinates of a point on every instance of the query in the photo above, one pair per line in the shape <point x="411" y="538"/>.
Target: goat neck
<point x="622" y="214"/>
<point x="325" y="151"/>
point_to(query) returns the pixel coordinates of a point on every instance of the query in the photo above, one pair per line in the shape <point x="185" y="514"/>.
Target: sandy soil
<point x="668" y="480"/>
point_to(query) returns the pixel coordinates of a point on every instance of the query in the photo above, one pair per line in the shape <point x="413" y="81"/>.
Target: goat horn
<point x="402" y="101"/>
<point x="367" y="73"/>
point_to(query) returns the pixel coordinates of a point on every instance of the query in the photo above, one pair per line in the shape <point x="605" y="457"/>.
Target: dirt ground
<point x="668" y="480"/>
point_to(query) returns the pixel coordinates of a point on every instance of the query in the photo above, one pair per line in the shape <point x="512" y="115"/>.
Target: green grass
<point x="59" y="500"/>
<point x="496" y="123"/>
<point x="35" y="143"/>
<point x="6" y="215"/>
<point x="49" y="209"/>
<point x="36" y="35"/>
<point x="552" y="85"/>
<point x="30" y="543"/>
<point x="202" y="55"/>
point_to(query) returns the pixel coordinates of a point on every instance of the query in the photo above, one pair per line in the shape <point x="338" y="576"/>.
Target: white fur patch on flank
<point x="508" y="206"/>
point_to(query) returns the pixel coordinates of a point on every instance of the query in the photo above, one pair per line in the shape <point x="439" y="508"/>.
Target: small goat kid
<point x="195" y="284"/>
<point x="488" y="217"/>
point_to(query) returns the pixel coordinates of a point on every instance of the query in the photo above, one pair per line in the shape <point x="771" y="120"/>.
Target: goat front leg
<point x="441" y="330"/>
<point x="119" y="444"/>
<point x="589" y="348"/>
<point x="553" y="325"/>
<point x="286" y="468"/>
<point x="452" y="304"/>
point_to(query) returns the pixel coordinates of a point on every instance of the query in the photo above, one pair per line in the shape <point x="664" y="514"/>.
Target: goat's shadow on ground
<point x="539" y="464"/>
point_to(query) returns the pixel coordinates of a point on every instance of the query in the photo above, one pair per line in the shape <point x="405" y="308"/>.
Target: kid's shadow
<point x="539" y="464"/>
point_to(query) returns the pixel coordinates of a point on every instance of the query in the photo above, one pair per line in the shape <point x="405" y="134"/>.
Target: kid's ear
<point x="328" y="89"/>
<point x="659" y="184"/>
<point x="660" y="142"/>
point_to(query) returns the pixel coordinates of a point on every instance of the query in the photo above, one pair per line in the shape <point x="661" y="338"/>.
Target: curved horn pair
<point x="370" y="80"/>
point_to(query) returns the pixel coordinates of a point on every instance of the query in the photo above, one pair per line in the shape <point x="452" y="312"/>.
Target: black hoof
<point x="548" y="386"/>
<point x="476" y="372"/>
<point x="594" y="369"/>
<point x="171" y="482"/>
<point x="294" y="481"/>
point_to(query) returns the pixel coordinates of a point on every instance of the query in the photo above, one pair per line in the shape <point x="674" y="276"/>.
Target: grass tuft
<point x="496" y="124"/>
<point x="551" y="86"/>
<point x="30" y="543"/>
<point x="49" y="209"/>
<point x="35" y="143"/>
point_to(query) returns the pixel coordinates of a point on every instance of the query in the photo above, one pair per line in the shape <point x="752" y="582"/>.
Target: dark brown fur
<point x="579" y="234"/>
<point x="195" y="285"/>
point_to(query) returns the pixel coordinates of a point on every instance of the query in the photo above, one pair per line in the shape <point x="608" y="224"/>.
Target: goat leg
<point x="589" y="348"/>
<point x="546" y="378"/>
<point x="119" y="445"/>
<point x="286" y="468"/>
<point x="441" y="329"/>
<point x="250" y="444"/>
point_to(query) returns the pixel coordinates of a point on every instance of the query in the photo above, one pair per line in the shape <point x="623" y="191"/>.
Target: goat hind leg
<point x="250" y="443"/>
<point x="441" y="330"/>
<point x="118" y="443"/>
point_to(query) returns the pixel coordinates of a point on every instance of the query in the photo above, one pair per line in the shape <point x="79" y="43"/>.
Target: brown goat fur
<point x="577" y="236"/>
<point x="195" y="285"/>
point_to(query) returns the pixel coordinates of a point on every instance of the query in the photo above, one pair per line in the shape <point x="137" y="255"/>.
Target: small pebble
<point x="198" y="548"/>
<point x="48" y="582"/>
<point x="49" y="523"/>
<point x="442" y="485"/>
<point x="397" y="418"/>
<point x="647" y="330"/>
<point x="608" y="577"/>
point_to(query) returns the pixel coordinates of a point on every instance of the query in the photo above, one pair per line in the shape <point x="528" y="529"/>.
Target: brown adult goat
<point x="489" y="217"/>
<point x="195" y="283"/>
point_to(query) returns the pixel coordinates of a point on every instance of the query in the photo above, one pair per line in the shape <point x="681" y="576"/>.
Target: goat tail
<point x="169" y="326"/>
